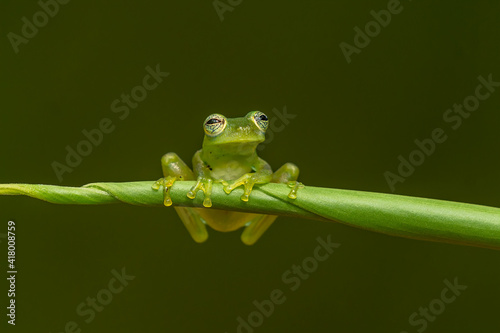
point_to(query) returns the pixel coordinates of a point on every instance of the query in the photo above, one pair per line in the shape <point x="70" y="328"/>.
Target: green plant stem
<point x="396" y="215"/>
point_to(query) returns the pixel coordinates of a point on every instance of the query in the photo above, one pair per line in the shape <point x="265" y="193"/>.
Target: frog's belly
<point x="222" y="220"/>
<point x="230" y="172"/>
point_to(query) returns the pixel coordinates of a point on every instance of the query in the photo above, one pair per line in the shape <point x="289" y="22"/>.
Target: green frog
<point x="228" y="156"/>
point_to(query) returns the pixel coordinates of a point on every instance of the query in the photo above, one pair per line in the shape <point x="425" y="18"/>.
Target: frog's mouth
<point x="243" y="142"/>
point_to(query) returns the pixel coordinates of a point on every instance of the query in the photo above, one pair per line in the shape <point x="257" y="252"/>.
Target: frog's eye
<point x="214" y="124"/>
<point x="261" y="120"/>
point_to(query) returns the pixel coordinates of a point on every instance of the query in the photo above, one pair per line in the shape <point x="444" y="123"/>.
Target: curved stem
<point x="397" y="215"/>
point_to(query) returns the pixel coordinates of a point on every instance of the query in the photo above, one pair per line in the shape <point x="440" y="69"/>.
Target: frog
<point x="228" y="156"/>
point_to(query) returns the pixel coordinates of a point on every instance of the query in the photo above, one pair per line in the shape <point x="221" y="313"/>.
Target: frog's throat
<point x="233" y="148"/>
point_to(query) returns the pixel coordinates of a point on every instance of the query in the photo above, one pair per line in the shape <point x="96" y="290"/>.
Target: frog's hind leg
<point x="256" y="227"/>
<point x="193" y="222"/>
<point x="175" y="169"/>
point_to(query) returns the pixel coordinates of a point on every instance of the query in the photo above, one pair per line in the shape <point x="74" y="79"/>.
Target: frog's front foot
<point x="205" y="185"/>
<point x="247" y="180"/>
<point x="167" y="183"/>
<point x="295" y="185"/>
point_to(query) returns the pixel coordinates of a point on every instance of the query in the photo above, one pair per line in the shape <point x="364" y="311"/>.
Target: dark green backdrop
<point x="352" y="121"/>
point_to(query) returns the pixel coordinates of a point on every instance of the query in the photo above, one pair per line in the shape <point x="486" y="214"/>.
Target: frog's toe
<point x="156" y="185"/>
<point x="194" y="190"/>
<point x="207" y="202"/>
<point x="228" y="189"/>
<point x="167" y="183"/>
<point x="247" y="181"/>
<point x="241" y="181"/>
<point x="248" y="189"/>
<point x="167" y="200"/>
<point x="191" y="194"/>
<point x="205" y="185"/>
<point x="295" y="185"/>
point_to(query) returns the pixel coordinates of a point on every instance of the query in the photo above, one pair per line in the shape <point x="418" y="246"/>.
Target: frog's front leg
<point x="175" y="169"/>
<point x="204" y="181"/>
<point x="262" y="175"/>
<point x="288" y="174"/>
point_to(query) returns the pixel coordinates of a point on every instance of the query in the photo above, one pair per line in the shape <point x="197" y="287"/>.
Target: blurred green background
<point x="352" y="120"/>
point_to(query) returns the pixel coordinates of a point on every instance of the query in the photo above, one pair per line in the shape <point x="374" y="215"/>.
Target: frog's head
<point x="235" y="135"/>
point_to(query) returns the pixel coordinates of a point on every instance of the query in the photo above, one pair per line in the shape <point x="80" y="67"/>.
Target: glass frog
<point x="228" y="156"/>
